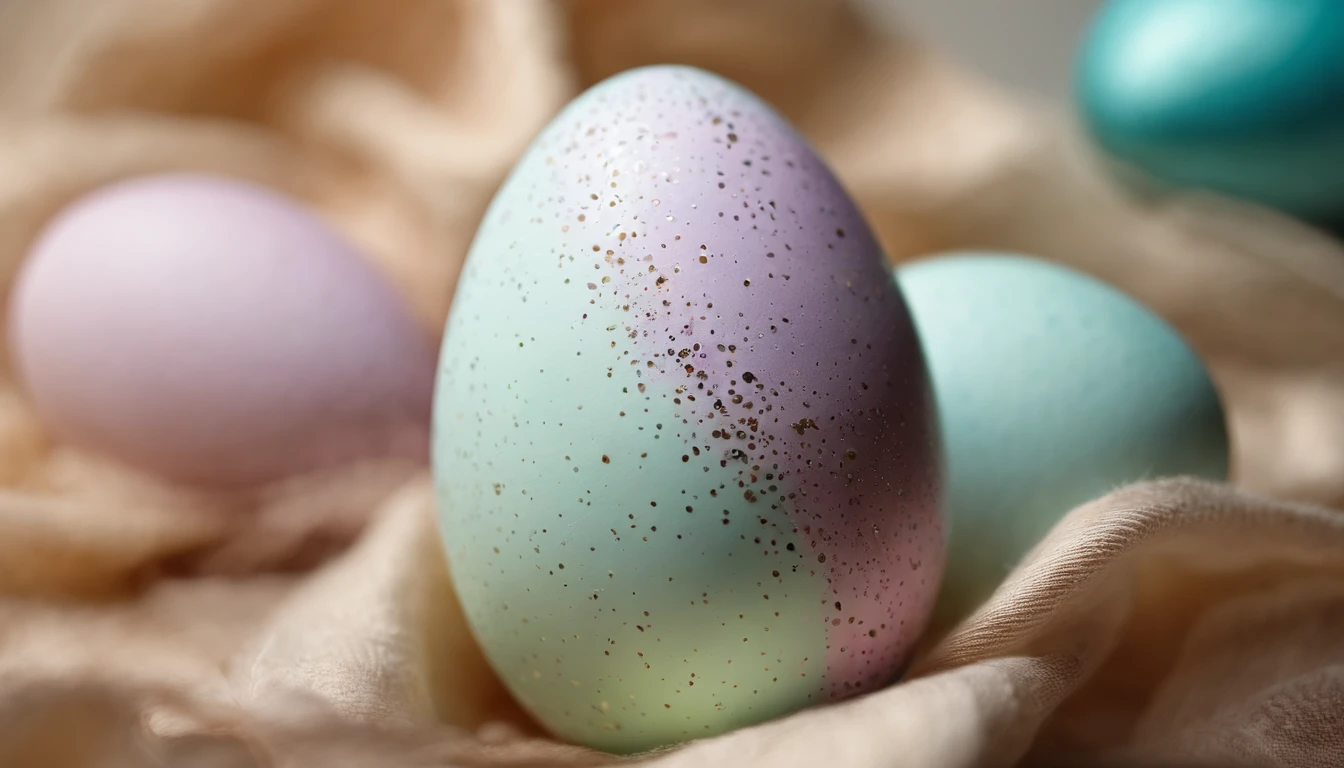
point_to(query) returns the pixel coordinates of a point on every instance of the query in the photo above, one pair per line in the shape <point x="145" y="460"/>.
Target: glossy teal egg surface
<point x="685" y="442"/>
<point x="1242" y="97"/>
<point x="1053" y="388"/>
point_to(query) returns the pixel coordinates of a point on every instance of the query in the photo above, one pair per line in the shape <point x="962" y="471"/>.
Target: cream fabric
<point x="312" y="623"/>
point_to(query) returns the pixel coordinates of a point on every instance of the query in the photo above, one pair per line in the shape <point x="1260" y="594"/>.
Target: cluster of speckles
<point x="698" y="316"/>
<point x="744" y="308"/>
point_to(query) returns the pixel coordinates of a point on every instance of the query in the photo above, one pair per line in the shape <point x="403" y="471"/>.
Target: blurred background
<point x="1027" y="45"/>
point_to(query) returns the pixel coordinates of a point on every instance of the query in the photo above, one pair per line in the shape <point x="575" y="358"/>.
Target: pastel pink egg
<point x="214" y="332"/>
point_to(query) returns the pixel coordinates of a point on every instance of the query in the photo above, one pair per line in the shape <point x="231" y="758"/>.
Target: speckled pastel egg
<point x="1053" y="388"/>
<point x="1244" y="97"/>
<point x="213" y="332"/>
<point x="685" y="446"/>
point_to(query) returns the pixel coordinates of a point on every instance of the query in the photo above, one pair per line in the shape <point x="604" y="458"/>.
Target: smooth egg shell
<point x="1244" y="97"/>
<point x="685" y="444"/>
<point x="1053" y="388"/>
<point x="216" y="333"/>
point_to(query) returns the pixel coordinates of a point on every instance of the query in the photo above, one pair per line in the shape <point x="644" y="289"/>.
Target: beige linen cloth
<point x="311" y="623"/>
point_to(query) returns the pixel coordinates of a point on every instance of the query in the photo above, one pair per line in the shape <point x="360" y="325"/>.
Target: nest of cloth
<point x="312" y="622"/>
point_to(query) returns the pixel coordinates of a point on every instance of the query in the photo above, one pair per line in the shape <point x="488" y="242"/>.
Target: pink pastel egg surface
<point x="214" y="332"/>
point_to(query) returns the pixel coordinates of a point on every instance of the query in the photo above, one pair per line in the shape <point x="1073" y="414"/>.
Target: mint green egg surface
<point x="1053" y="388"/>
<point x="684" y="438"/>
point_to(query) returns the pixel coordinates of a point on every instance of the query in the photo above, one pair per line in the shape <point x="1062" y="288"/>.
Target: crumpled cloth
<point x="312" y="623"/>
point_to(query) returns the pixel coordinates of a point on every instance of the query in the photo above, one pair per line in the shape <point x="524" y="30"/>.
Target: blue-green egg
<point x="1053" y="388"/>
<point x="1241" y="97"/>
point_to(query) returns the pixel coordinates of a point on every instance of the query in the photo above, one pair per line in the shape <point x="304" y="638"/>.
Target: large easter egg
<point x="216" y="333"/>
<point x="1053" y="388"/>
<point x="1244" y="97"/>
<point x="685" y="445"/>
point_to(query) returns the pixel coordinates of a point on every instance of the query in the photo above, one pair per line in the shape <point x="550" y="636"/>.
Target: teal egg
<point x="1242" y="97"/>
<point x="1053" y="388"/>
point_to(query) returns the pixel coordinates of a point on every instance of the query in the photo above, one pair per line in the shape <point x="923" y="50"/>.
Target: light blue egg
<point x="1053" y="388"/>
<point x="1243" y="97"/>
